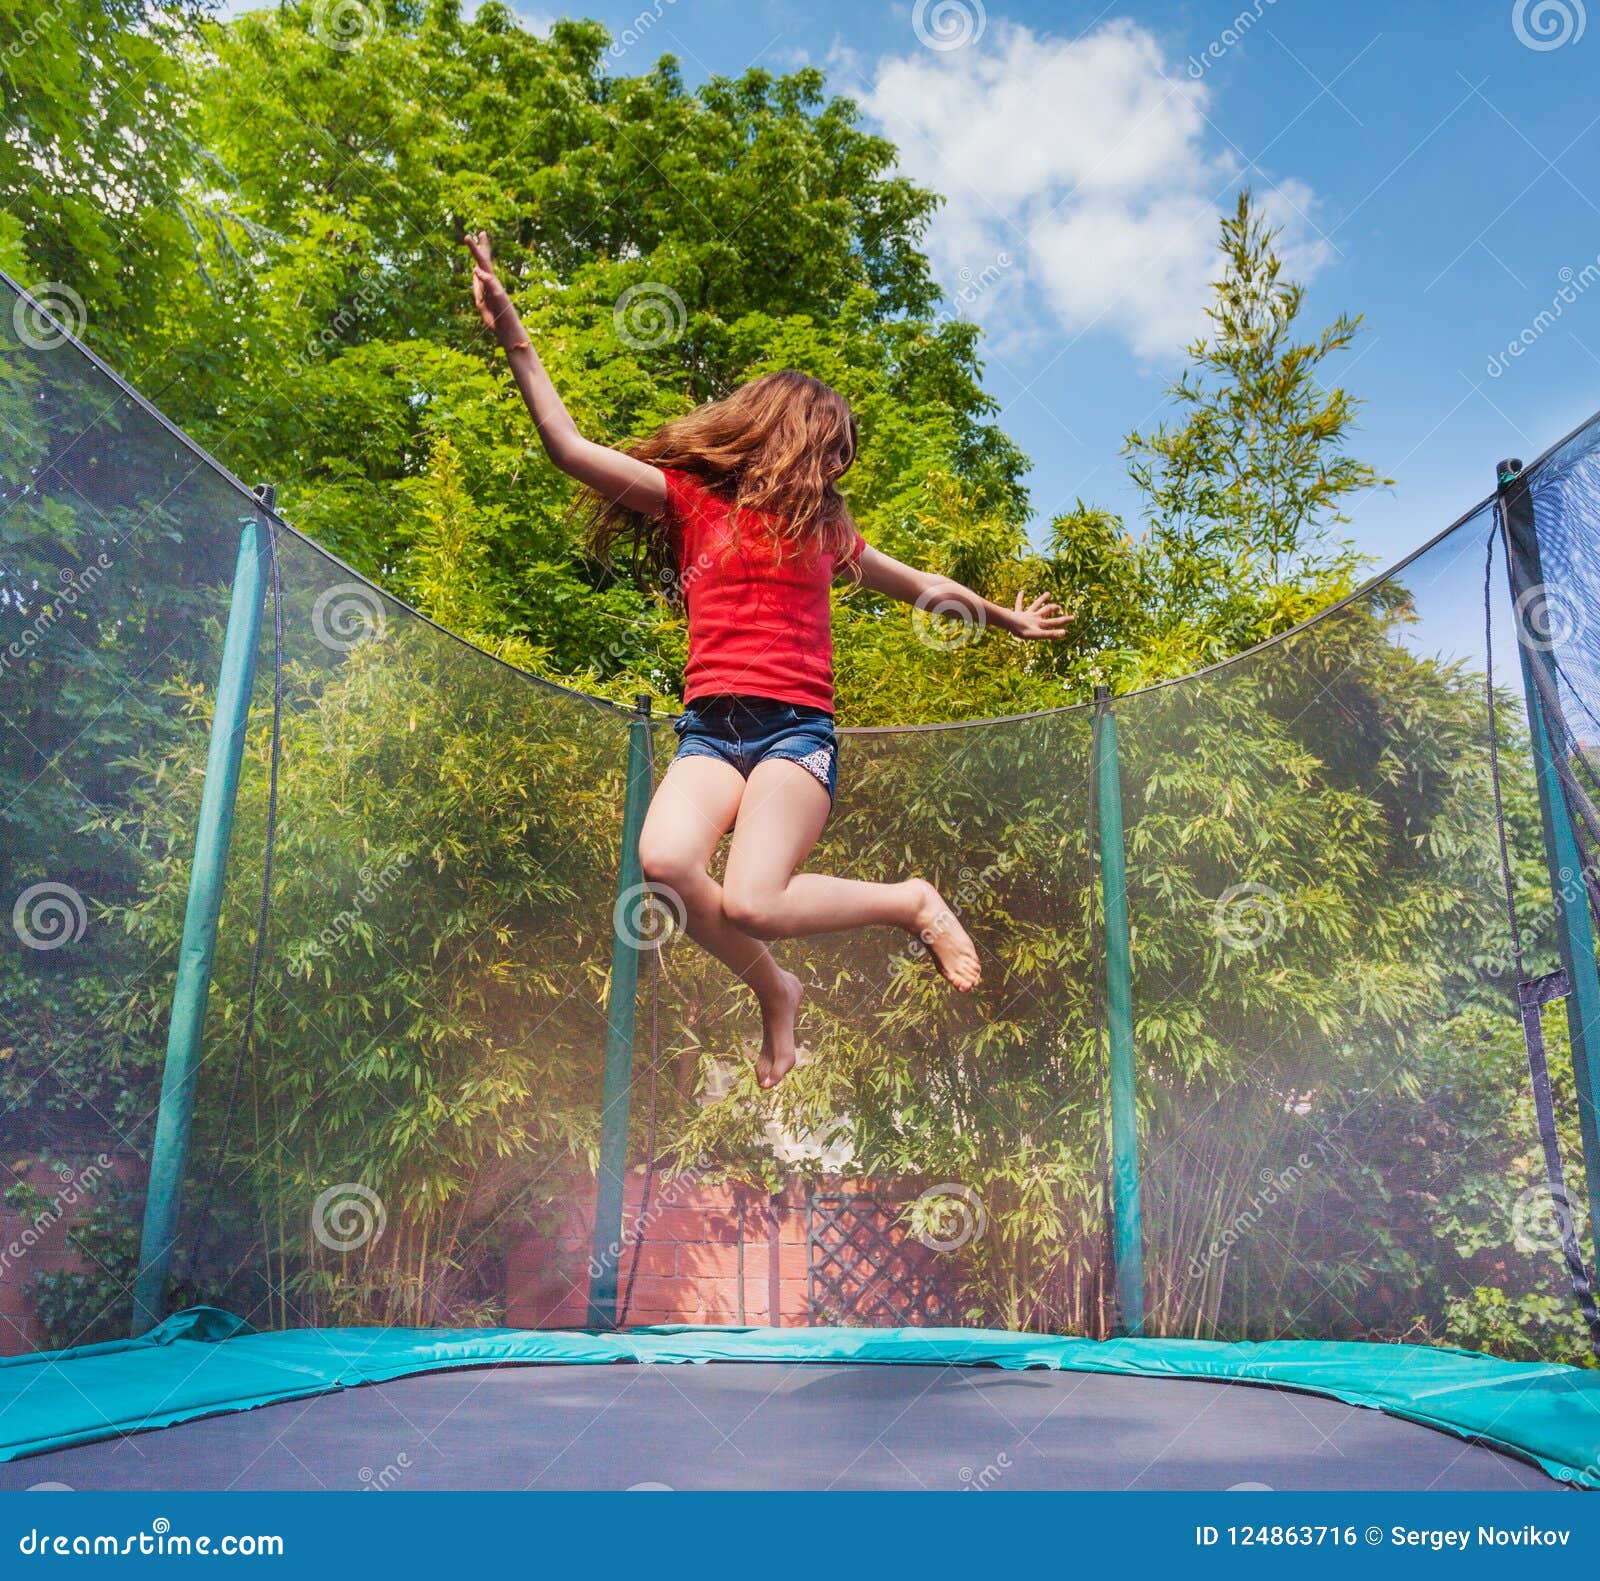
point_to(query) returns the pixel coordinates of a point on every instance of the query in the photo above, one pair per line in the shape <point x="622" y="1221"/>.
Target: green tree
<point x="95" y="188"/>
<point x="335" y="344"/>
<point x="1243" y="496"/>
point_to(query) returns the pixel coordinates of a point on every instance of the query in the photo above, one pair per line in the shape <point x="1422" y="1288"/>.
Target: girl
<point x="739" y="503"/>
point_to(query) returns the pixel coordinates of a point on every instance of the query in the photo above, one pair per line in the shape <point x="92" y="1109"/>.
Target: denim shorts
<point x="745" y="731"/>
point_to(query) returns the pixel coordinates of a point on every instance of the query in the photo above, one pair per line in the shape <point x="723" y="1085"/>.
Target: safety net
<point x="1259" y="1054"/>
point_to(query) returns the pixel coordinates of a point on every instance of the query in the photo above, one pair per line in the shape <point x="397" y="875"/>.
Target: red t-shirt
<point x="759" y="625"/>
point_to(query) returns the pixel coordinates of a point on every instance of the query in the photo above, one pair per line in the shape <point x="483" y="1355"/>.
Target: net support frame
<point x="1563" y="857"/>
<point x="621" y="1014"/>
<point x="1127" y="1230"/>
<point x="169" y="1155"/>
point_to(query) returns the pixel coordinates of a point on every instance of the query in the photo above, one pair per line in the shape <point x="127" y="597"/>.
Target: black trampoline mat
<point x="775" y="1426"/>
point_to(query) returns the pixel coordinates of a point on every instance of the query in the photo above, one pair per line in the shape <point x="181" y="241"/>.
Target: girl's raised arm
<point x="630" y="482"/>
<point x="1039" y="618"/>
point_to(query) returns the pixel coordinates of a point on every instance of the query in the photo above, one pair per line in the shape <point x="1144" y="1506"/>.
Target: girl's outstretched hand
<point x="1040" y="620"/>
<point x="491" y="299"/>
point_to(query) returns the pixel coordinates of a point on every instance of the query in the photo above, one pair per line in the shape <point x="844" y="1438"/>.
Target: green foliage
<point x="97" y="169"/>
<point x="115" y="551"/>
<point x="89" y="1304"/>
<point x="1321" y="983"/>
<point x="1488" y="1319"/>
<point x="412" y="1037"/>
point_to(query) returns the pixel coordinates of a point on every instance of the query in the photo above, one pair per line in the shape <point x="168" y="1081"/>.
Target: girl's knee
<point x="751" y="909"/>
<point x="666" y="863"/>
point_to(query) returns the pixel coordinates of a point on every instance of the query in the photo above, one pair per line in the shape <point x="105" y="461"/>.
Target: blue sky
<point x="1436" y="168"/>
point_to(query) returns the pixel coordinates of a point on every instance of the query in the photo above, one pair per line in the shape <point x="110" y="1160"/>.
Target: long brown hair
<point x="775" y="449"/>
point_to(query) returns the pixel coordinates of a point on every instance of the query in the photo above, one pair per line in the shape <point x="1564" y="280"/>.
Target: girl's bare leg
<point x="778" y="821"/>
<point x="693" y="807"/>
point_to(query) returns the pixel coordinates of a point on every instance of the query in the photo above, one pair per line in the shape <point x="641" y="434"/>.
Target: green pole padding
<point x="170" y="1153"/>
<point x="1563" y="860"/>
<point x="1127" y="1228"/>
<point x="620" y="1006"/>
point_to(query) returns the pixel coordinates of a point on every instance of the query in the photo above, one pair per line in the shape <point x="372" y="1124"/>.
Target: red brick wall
<point x="686" y="1267"/>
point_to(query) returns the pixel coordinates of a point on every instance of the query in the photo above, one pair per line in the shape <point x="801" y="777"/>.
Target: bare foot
<point x="778" y="1013"/>
<point x="936" y="925"/>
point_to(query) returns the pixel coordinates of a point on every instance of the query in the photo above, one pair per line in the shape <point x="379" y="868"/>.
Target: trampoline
<point x="698" y="1408"/>
<point x="764" y="1426"/>
<point x="367" y="1125"/>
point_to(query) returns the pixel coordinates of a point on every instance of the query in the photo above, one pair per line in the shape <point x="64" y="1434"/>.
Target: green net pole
<point x="620" y="1006"/>
<point x="170" y="1152"/>
<point x="1563" y="860"/>
<point x="1127" y="1228"/>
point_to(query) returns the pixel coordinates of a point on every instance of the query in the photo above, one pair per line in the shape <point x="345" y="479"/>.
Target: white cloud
<point x="1288" y="207"/>
<point x="1090" y="162"/>
<point x="539" y="22"/>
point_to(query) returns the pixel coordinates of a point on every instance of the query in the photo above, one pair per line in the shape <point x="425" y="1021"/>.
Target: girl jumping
<point x="738" y="503"/>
